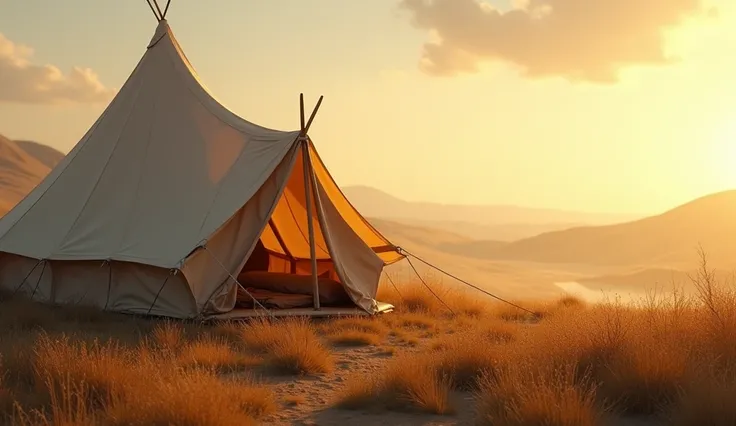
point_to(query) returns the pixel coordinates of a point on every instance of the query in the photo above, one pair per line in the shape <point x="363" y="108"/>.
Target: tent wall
<point x="208" y="270"/>
<point x="114" y="286"/>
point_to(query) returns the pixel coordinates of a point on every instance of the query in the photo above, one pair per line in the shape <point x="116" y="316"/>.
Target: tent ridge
<point x="179" y="53"/>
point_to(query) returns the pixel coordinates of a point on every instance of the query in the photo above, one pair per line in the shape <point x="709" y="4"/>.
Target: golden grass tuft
<point x="423" y="380"/>
<point x="290" y="346"/>
<point x="525" y="395"/>
<point x="111" y="385"/>
<point x="708" y="399"/>
<point x="406" y="384"/>
<point x="168" y="336"/>
<point x="196" y="397"/>
<point x="215" y="353"/>
<point x="355" y="331"/>
<point x="527" y="311"/>
<point x="414" y="296"/>
<point x="105" y="369"/>
<point x="467" y="355"/>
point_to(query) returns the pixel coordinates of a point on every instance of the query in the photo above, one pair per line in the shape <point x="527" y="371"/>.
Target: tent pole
<point x="160" y="14"/>
<point x="153" y="10"/>
<point x="308" y="197"/>
<point x="310" y="221"/>
<point x="309" y="192"/>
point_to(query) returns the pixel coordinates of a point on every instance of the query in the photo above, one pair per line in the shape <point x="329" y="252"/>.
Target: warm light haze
<point x="505" y="212"/>
<point x="618" y="108"/>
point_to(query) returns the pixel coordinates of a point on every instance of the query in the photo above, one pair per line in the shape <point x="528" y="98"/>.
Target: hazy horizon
<point x="438" y="107"/>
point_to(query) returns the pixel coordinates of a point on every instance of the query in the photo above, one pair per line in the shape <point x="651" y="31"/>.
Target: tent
<point x="172" y="205"/>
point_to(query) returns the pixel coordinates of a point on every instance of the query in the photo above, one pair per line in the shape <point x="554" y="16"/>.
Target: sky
<point x="625" y="106"/>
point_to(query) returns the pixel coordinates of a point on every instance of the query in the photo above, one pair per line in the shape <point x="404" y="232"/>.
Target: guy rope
<point x="410" y="255"/>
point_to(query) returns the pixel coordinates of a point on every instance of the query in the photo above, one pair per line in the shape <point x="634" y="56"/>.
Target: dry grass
<point x="355" y="331"/>
<point x="450" y="300"/>
<point x="405" y="385"/>
<point x="525" y="311"/>
<point x="706" y="400"/>
<point x="289" y="346"/>
<point x="576" y="364"/>
<point x="111" y="385"/>
<point x="527" y="395"/>
<point x="215" y="354"/>
<point x="670" y="355"/>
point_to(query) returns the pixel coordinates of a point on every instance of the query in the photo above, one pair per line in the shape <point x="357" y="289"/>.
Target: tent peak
<point x="156" y="9"/>
<point x="161" y="30"/>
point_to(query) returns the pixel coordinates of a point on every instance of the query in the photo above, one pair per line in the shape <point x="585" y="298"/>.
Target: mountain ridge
<point x="667" y="239"/>
<point x="491" y="221"/>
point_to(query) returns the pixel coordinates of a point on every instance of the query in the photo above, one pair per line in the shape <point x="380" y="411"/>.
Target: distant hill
<point x="497" y="232"/>
<point x="662" y="279"/>
<point x="414" y="237"/>
<point x="22" y="166"/>
<point x="48" y="156"/>
<point x="497" y="222"/>
<point x="667" y="240"/>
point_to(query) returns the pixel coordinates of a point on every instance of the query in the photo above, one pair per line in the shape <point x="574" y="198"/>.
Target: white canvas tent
<point x="161" y="204"/>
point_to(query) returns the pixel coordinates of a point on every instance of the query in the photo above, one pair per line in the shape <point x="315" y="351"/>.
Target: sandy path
<point x="316" y="396"/>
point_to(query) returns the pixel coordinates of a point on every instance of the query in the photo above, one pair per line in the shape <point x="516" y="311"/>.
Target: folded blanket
<point x="331" y="292"/>
<point x="271" y="299"/>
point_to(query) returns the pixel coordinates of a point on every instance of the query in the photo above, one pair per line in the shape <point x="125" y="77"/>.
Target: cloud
<point x="24" y="82"/>
<point x="583" y="40"/>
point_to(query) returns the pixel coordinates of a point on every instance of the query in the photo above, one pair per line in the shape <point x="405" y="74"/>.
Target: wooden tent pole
<point x="308" y="192"/>
<point x="311" y="117"/>
<point x="153" y="10"/>
<point x="166" y="9"/>
<point x="160" y="15"/>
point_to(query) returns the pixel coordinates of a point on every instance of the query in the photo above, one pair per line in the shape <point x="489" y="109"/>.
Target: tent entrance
<point x="278" y="272"/>
<point x="279" y="283"/>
